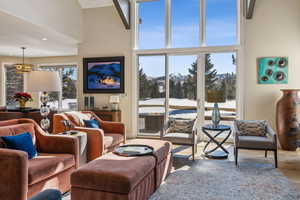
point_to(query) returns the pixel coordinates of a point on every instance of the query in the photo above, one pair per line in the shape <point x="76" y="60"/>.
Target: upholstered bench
<point x="113" y="177"/>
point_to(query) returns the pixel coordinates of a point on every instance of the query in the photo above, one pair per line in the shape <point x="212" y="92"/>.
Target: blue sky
<point x="220" y="30"/>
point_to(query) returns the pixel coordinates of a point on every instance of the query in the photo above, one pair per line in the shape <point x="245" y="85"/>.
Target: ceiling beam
<point x="250" y="4"/>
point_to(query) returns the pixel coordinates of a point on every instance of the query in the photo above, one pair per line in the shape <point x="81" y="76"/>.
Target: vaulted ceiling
<point x="55" y="31"/>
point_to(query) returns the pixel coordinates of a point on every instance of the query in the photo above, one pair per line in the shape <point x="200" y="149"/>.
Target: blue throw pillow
<point x="93" y="123"/>
<point x="22" y="142"/>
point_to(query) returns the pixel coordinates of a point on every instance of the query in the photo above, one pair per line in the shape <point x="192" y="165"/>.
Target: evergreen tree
<point x="172" y="86"/>
<point x="144" y="88"/>
<point x="178" y="90"/>
<point x="210" y="78"/>
<point x="155" y="90"/>
<point x="69" y="85"/>
<point x="210" y="73"/>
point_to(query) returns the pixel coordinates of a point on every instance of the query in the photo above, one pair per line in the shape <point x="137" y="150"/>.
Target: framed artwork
<point x="273" y="70"/>
<point x="123" y="8"/>
<point x="103" y="75"/>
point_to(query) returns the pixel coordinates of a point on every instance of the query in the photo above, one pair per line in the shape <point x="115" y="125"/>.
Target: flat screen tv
<point x="103" y="75"/>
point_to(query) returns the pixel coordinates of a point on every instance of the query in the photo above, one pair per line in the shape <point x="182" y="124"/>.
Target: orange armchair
<point x="22" y="178"/>
<point x="100" y="141"/>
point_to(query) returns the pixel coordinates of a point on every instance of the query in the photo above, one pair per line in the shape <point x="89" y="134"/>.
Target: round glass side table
<point x="212" y="132"/>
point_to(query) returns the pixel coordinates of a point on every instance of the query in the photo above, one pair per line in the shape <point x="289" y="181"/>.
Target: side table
<point x="82" y="137"/>
<point x="215" y="153"/>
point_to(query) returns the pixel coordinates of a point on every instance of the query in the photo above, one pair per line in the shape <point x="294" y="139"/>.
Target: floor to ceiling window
<point x="184" y="47"/>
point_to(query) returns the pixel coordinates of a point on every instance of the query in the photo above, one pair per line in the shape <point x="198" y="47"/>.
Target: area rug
<point x="221" y="180"/>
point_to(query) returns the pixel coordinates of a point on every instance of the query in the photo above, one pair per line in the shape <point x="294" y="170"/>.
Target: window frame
<point x="238" y="48"/>
<point x="60" y="67"/>
<point x="3" y="83"/>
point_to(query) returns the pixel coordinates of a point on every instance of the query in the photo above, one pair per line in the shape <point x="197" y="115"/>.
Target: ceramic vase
<point x="216" y="116"/>
<point x="287" y="119"/>
<point x="22" y="103"/>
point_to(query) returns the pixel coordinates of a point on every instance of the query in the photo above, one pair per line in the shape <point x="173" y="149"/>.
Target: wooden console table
<point x="35" y="115"/>
<point x="109" y="115"/>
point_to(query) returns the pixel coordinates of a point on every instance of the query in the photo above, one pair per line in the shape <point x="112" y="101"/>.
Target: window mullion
<point x="202" y="23"/>
<point x="168" y="36"/>
<point x="135" y="24"/>
<point x="60" y="93"/>
<point x="167" y="86"/>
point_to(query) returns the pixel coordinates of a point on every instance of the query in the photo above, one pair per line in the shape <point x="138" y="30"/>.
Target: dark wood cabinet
<point x="35" y="115"/>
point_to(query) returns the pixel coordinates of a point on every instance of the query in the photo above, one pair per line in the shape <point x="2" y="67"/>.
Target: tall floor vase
<point x="288" y="119"/>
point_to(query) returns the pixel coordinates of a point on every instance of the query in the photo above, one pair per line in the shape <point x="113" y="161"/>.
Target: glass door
<point x="220" y="75"/>
<point x="182" y="102"/>
<point x="152" y="94"/>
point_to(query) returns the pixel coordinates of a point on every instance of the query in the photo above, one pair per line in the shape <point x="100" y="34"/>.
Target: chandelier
<point x="22" y="68"/>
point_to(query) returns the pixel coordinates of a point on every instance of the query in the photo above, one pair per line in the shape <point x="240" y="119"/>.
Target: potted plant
<point x="22" y="98"/>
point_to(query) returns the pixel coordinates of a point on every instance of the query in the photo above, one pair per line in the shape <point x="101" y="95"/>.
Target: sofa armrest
<point x="113" y="127"/>
<point x="14" y="174"/>
<point x="58" y="125"/>
<point x="95" y="141"/>
<point x="59" y="144"/>
<point x="236" y="133"/>
<point x="272" y="134"/>
<point x="110" y="127"/>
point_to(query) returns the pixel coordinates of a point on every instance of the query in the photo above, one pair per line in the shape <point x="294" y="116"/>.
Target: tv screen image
<point x="104" y="75"/>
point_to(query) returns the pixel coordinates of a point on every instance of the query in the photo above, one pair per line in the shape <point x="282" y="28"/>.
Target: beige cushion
<point x="252" y="127"/>
<point x="78" y="117"/>
<point x="256" y="142"/>
<point x="179" y="138"/>
<point x="180" y="126"/>
<point x="112" y="139"/>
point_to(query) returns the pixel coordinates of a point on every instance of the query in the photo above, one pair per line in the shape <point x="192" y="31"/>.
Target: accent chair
<point x="100" y="140"/>
<point x="20" y="177"/>
<point x="181" y="132"/>
<point x="254" y="135"/>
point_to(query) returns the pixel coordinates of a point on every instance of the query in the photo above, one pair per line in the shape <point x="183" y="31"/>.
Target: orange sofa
<point x="21" y="178"/>
<point x="100" y="141"/>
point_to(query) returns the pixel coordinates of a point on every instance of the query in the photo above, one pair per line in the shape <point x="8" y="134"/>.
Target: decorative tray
<point x="133" y="150"/>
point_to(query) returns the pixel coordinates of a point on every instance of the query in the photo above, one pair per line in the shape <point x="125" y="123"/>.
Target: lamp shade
<point x="114" y="99"/>
<point x="43" y="81"/>
<point x="215" y="96"/>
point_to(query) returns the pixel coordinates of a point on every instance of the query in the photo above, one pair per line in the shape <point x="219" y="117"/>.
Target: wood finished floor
<point x="288" y="161"/>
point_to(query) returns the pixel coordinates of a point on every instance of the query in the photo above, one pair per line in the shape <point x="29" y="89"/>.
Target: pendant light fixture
<point x="22" y="68"/>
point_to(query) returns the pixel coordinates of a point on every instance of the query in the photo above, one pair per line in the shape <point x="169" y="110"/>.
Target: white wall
<point x="273" y="31"/>
<point x="105" y="35"/>
<point x="63" y="16"/>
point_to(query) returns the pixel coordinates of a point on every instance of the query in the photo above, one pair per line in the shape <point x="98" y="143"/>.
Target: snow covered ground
<point x="67" y="104"/>
<point x="156" y="107"/>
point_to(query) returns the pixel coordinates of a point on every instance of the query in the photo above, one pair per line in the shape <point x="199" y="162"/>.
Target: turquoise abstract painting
<point x="273" y="70"/>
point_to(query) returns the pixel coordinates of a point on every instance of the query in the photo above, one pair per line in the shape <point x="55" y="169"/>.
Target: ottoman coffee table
<point x="114" y="177"/>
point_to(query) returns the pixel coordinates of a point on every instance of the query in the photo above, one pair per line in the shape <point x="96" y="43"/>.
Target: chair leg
<point x="236" y="156"/>
<point x="266" y="153"/>
<point x="275" y="158"/>
<point x="193" y="152"/>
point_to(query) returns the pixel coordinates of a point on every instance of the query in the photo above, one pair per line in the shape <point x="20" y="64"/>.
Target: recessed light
<point x="44" y="39"/>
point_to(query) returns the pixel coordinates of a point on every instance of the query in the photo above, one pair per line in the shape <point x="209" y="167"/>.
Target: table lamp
<point x="44" y="81"/>
<point x="215" y="96"/>
<point x="114" y="100"/>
